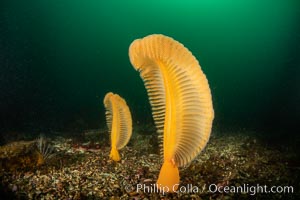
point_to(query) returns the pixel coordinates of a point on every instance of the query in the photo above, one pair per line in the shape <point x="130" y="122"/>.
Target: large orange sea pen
<point x="180" y="98"/>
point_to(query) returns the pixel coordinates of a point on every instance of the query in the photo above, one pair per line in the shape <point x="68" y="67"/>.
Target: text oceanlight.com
<point x="214" y="188"/>
<point x="250" y="189"/>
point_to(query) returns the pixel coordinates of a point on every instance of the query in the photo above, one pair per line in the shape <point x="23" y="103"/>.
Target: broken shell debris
<point x="84" y="170"/>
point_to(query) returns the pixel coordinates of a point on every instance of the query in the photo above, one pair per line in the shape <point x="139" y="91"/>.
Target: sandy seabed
<point x="232" y="166"/>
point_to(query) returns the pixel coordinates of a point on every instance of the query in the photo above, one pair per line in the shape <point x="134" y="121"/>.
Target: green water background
<point x="59" y="58"/>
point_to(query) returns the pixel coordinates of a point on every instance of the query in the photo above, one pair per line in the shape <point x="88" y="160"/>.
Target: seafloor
<point x="79" y="168"/>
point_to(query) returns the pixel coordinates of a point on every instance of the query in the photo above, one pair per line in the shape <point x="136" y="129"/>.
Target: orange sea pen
<point x="119" y="122"/>
<point x="180" y="98"/>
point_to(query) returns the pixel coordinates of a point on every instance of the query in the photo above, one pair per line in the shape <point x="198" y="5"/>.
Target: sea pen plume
<point x="119" y="122"/>
<point x="180" y="98"/>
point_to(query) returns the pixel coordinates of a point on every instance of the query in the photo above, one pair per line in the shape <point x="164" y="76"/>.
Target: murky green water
<point x="59" y="58"/>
